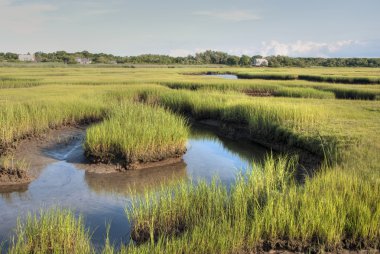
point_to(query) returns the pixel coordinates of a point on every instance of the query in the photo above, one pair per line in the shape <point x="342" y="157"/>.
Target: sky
<point x="305" y="28"/>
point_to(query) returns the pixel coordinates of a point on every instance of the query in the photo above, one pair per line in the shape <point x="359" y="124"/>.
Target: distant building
<point x="83" y="60"/>
<point x="260" y="62"/>
<point x="27" y="57"/>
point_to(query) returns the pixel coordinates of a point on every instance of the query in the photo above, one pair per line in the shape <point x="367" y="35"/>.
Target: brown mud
<point x="64" y="143"/>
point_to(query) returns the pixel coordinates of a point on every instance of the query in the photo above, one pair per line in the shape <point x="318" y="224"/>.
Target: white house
<point x="27" y="57"/>
<point x="260" y="62"/>
<point x="83" y="60"/>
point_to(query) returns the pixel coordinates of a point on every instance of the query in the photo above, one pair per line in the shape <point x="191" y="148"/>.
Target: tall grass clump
<point x="137" y="133"/>
<point x="52" y="231"/>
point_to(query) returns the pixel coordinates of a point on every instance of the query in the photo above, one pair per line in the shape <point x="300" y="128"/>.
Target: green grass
<point x="267" y="76"/>
<point x="341" y="79"/>
<point x="52" y="231"/>
<point x="314" y="78"/>
<point x="6" y="82"/>
<point x="298" y="124"/>
<point x="136" y="133"/>
<point x="19" y="120"/>
<point x="266" y="209"/>
<point x="279" y="89"/>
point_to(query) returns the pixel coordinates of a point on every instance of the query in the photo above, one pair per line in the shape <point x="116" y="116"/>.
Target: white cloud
<point x="22" y="18"/>
<point x="296" y="49"/>
<point x="234" y="15"/>
<point x="185" y="52"/>
<point x="304" y="48"/>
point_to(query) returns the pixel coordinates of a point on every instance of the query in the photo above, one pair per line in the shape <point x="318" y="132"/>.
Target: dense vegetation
<point x="334" y="208"/>
<point x="136" y="134"/>
<point x="207" y="57"/>
<point x="53" y="231"/>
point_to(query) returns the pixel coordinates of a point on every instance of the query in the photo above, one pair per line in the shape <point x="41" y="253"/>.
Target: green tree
<point x="233" y="60"/>
<point x="245" y="60"/>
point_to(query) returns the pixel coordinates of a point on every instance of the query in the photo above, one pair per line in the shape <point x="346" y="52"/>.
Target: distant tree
<point x="245" y="60"/>
<point x="101" y="59"/>
<point x="207" y="57"/>
<point x="10" y="56"/>
<point x="233" y="60"/>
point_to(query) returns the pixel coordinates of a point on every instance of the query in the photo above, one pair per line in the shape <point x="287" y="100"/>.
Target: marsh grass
<point x="314" y="78"/>
<point x="264" y="210"/>
<point x="8" y="82"/>
<point x="21" y="119"/>
<point x="340" y="79"/>
<point x="8" y="163"/>
<point x="337" y="208"/>
<point x="12" y="170"/>
<point x="293" y="125"/>
<point x="267" y="76"/>
<point x="309" y="90"/>
<point x="52" y="231"/>
<point x="136" y="133"/>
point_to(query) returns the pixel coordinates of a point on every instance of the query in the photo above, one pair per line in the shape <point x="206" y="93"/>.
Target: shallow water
<point x="225" y="76"/>
<point x="102" y="198"/>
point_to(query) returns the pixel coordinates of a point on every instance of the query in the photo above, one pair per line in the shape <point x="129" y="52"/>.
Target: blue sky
<point x="328" y="28"/>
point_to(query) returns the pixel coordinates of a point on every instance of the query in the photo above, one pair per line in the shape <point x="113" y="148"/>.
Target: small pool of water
<point x="102" y="198"/>
<point x="225" y="76"/>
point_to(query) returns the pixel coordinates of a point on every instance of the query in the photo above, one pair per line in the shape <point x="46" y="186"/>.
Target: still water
<point x="102" y="198"/>
<point x="225" y="76"/>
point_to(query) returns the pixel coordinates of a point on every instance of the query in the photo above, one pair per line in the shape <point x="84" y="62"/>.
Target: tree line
<point x="207" y="57"/>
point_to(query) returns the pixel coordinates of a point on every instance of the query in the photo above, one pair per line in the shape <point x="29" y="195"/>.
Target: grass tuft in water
<point x="52" y="231"/>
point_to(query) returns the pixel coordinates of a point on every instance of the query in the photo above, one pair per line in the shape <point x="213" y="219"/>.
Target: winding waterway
<point x="102" y="198"/>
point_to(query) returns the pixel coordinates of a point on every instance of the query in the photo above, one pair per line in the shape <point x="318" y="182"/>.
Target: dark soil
<point x="13" y="176"/>
<point x="254" y="93"/>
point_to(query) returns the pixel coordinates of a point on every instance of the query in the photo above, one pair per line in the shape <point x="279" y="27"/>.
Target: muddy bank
<point x="67" y="145"/>
<point x="308" y="162"/>
<point x="10" y="176"/>
<point x="64" y="143"/>
<point x="119" y="164"/>
<point x="33" y="152"/>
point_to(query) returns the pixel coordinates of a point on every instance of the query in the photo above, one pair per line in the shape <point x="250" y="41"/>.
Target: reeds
<point x="21" y="119"/>
<point x="295" y="125"/>
<point x="6" y="82"/>
<point x="136" y="133"/>
<point x="52" y="231"/>
<point x="264" y="210"/>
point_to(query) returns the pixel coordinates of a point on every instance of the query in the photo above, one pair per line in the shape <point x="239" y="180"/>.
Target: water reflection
<point x="209" y="155"/>
<point x="135" y="181"/>
<point x="225" y="76"/>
